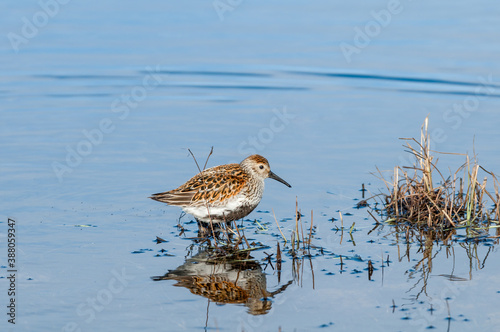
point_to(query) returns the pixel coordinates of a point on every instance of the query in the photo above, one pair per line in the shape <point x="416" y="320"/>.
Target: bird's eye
<point x="261" y="166"/>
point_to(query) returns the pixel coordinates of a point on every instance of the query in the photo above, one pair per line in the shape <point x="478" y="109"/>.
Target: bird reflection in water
<point x="238" y="280"/>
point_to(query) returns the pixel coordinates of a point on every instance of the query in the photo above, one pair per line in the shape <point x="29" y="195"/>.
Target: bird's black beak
<point x="277" y="178"/>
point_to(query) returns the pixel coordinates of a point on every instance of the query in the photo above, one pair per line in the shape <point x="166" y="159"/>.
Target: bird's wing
<point x="210" y="186"/>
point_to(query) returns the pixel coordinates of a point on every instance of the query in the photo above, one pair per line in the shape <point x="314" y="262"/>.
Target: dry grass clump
<point x="414" y="197"/>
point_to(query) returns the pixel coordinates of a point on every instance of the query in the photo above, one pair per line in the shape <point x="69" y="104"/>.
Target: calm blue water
<point x="101" y="100"/>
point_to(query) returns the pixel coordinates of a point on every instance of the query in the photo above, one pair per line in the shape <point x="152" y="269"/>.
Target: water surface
<point x="101" y="105"/>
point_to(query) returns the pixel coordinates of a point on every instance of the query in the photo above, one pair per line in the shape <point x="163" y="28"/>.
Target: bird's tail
<point x="173" y="198"/>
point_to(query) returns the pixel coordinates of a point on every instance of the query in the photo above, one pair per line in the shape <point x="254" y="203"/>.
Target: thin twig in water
<point x="206" y="192"/>
<point x="284" y="238"/>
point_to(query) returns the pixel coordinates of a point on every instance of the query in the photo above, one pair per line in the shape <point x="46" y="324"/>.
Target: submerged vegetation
<point x="462" y="199"/>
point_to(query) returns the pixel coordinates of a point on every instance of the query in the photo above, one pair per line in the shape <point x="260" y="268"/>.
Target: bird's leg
<point x="202" y="229"/>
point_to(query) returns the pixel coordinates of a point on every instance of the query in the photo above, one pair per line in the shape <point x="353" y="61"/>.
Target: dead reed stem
<point x="415" y="199"/>
<point x="284" y="238"/>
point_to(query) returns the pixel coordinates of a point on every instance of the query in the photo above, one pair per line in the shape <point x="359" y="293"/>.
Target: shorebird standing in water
<point x="222" y="193"/>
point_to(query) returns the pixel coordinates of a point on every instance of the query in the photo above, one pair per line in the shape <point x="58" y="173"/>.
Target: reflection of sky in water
<point x="227" y="84"/>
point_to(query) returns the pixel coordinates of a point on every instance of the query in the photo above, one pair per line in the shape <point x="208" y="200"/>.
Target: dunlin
<point x="222" y="193"/>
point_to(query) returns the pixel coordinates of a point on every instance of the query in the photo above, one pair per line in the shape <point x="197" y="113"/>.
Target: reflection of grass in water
<point x="414" y="199"/>
<point x="421" y="248"/>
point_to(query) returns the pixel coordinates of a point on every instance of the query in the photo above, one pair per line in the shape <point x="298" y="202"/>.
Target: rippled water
<point x="100" y="104"/>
